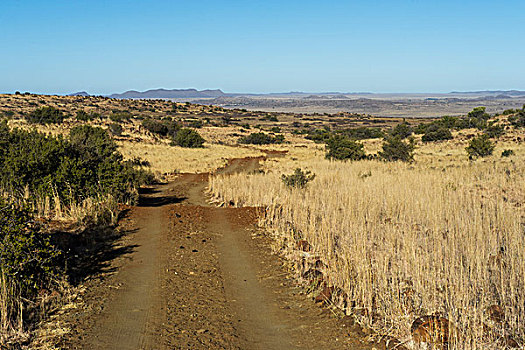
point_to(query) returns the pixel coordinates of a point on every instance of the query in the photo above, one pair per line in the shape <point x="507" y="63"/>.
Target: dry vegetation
<point x="389" y="243"/>
<point x="443" y="236"/>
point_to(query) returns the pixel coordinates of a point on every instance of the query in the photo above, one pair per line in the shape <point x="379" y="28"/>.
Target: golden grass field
<point x="440" y="236"/>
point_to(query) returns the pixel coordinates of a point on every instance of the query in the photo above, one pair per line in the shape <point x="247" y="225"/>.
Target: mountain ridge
<point x="170" y="93"/>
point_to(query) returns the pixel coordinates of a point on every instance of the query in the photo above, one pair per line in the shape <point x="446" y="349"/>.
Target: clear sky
<point x="262" y="46"/>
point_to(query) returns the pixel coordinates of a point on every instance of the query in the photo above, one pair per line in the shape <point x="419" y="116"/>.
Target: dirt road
<point x="202" y="277"/>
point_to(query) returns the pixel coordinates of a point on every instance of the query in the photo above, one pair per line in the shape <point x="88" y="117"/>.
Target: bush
<point x="395" y="149"/>
<point x="480" y="146"/>
<point x="478" y="113"/>
<point x="86" y="165"/>
<point x="343" y="148"/>
<point x="27" y="257"/>
<point x="518" y="120"/>
<point x="46" y="115"/>
<point x="299" y="178"/>
<point x="318" y="135"/>
<point x="166" y="127"/>
<point x="155" y="127"/>
<point x="436" y="133"/>
<point x="115" y="129"/>
<point x="120" y="116"/>
<point x="363" y="133"/>
<point x="9" y="114"/>
<point x="509" y="111"/>
<point x="260" y="138"/>
<point x="494" y="131"/>
<point x="85" y="117"/>
<point x="196" y="124"/>
<point x="401" y="130"/>
<point x="188" y="138"/>
<point x="468" y="123"/>
<point x="507" y="153"/>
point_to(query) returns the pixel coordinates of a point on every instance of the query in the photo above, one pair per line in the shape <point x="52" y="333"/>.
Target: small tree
<point x="342" y="148"/>
<point x="396" y="149"/>
<point x="480" y="146"/>
<point x="299" y="178"/>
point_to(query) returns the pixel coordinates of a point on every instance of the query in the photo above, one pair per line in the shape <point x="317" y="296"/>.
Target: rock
<point x="303" y="245"/>
<point x="432" y="329"/>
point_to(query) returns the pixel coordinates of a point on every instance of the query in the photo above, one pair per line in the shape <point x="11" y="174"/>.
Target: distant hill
<point x="80" y="93"/>
<point x="500" y="93"/>
<point x="174" y="93"/>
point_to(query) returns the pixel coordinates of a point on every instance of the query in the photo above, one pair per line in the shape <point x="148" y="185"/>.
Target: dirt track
<point x="202" y="277"/>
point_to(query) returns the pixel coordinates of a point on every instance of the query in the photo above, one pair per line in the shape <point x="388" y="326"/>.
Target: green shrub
<point x="468" y="123"/>
<point x="115" y="129"/>
<point x="46" y="115"/>
<point x="27" y="257"/>
<point x="196" y="124"/>
<point x="318" y="135"/>
<point x="299" y="178"/>
<point x="394" y="149"/>
<point x="260" y="138"/>
<point x="85" y="165"/>
<point x="343" y="148"/>
<point x="401" y="130"/>
<point x="494" y="131"/>
<point x="478" y="113"/>
<point x="445" y="122"/>
<point x="363" y="133"/>
<point x="507" y="153"/>
<point x="120" y="116"/>
<point x="436" y="133"/>
<point x="518" y="120"/>
<point x="165" y="127"/>
<point x="85" y="117"/>
<point x="509" y="111"/>
<point x="480" y="146"/>
<point x="188" y="138"/>
<point x="9" y="114"/>
<point x="155" y="127"/>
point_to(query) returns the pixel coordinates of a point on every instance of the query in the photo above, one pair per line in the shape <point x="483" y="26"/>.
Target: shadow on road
<point x="91" y="252"/>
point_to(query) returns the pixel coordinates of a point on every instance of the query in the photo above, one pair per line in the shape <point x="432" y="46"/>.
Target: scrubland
<point x="440" y="236"/>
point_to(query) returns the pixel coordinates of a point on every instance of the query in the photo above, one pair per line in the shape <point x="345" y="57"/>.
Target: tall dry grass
<point x="406" y="240"/>
<point x="59" y="216"/>
<point x="11" y="309"/>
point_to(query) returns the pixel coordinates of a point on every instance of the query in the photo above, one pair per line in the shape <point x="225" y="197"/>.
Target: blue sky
<point x="262" y="46"/>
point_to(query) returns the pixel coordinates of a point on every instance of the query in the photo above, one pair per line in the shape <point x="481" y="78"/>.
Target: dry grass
<point x="440" y="236"/>
<point x="166" y="159"/>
